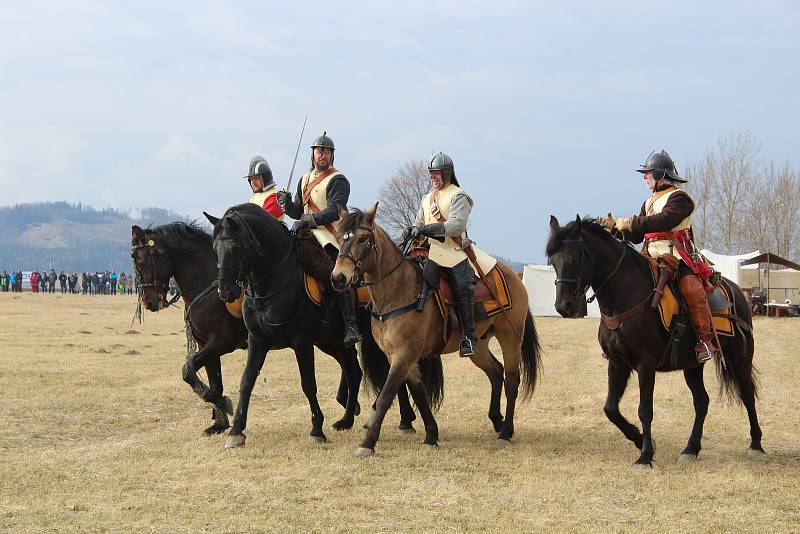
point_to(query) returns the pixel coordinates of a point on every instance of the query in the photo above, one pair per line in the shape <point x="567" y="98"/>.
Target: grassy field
<point x="100" y="434"/>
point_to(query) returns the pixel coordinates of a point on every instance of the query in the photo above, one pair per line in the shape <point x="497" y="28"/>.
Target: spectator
<point x="4" y="281"/>
<point x="131" y="282"/>
<point x="35" y="281"/>
<point x="121" y="281"/>
<point x="52" y="281"/>
<point x="18" y="281"/>
<point x="43" y="281"/>
<point x="62" y="282"/>
<point x="96" y="283"/>
<point x="173" y="286"/>
<point x="112" y="280"/>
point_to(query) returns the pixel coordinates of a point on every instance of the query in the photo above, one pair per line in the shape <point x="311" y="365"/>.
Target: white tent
<point x="728" y="265"/>
<point x="540" y="281"/>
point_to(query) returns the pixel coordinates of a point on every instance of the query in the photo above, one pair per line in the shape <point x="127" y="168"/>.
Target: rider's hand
<point x="299" y="225"/>
<point x="607" y="222"/>
<point x="284" y="198"/>
<point x="408" y="233"/>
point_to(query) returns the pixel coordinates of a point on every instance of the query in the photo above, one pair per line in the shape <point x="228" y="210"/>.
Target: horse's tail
<point x="433" y="380"/>
<point x="376" y="369"/>
<point x="531" y="357"/>
<point x="738" y="378"/>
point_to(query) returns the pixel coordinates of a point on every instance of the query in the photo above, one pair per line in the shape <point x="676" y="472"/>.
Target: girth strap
<point x="382" y="317"/>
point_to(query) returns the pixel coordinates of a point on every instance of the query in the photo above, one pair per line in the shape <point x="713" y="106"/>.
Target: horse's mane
<point x="589" y="224"/>
<point x="354" y="218"/>
<point x="181" y="237"/>
<point x="255" y="222"/>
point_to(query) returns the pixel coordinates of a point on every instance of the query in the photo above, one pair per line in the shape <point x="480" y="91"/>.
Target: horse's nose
<point x="564" y="308"/>
<point x="338" y="280"/>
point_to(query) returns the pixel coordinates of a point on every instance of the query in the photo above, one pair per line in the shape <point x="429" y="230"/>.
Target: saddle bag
<point x="677" y="332"/>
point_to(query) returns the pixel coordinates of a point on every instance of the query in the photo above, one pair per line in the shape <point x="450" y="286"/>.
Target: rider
<point x="264" y="191"/>
<point x="443" y="216"/>
<point x="319" y="193"/>
<point x="664" y="223"/>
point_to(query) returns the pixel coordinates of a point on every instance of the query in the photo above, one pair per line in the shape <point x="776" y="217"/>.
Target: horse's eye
<point x="362" y="239"/>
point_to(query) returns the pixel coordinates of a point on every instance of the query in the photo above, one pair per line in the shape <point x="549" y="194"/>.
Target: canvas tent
<point x="729" y="265"/>
<point x="540" y="281"/>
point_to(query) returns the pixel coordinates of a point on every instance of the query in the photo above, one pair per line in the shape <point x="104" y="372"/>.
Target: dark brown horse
<point x="394" y="282"/>
<point x="585" y="255"/>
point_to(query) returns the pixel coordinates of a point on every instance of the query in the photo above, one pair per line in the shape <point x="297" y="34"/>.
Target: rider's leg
<point x="462" y="279"/>
<point x="695" y="296"/>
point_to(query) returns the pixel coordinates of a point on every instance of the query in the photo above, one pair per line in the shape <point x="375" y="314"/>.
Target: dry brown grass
<point x="97" y="437"/>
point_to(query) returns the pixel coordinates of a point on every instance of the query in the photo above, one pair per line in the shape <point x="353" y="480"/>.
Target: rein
<point x="580" y="288"/>
<point x="371" y="246"/>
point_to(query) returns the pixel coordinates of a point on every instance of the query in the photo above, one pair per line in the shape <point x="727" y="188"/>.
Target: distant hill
<point x="72" y="237"/>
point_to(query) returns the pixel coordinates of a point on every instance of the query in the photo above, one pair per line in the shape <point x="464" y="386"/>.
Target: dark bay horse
<point x="394" y="282"/>
<point x="585" y="255"/>
<point x="254" y="248"/>
<point x="185" y="251"/>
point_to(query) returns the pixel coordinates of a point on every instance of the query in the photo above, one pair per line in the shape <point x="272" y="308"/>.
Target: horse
<point x="185" y="251"/>
<point x="367" y="252"/>
<point x="584" y="254"/>
<point x="254" y="248"/>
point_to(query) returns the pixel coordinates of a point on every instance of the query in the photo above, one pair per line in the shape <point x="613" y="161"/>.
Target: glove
<point x="429" y="230"/>
<point x="623" y="223"/>
<point x="284" y="198"/>
<point x="607" y="222"/>
<point x="408" y="233"/>
<point x="299" y="225"/>
<point x="306" y="221"/>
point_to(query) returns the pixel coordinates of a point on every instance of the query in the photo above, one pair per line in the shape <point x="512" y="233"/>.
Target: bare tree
<point x="700" y="186"/>
<point x="401" y="196"/>
<point x="784" y="212"/>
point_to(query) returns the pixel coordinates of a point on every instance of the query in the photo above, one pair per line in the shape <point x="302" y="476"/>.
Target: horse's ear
<point x="213" y="220"/>
<point x="369" y="216"/>
<point x="554" y="226"/>
<point x="342" y="211"/>
<point x="578" y="221"/>
<point x="137" y="234"/>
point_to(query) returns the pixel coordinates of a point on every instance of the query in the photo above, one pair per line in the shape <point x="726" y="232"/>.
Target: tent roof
<point x="769" y="257"/>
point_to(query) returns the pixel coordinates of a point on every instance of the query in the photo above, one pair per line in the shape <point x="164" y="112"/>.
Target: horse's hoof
<point x="343" y="424"/>
<point x="363" y="452"/>
<point x="430" y="446"/>
<point x="407" y="429"/>
<point x="317" y="439"/>
<point x="227" y="405"/>
<point x="235" y="440"/>
<point x="643" y="465"/>
<point x="503" y="443"/>
<point x="686" y="458"/>
<point x="755" y="453"/>
<point x="215" y="429"/>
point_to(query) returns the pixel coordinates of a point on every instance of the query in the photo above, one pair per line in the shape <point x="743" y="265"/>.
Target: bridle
<point x="369" y="247"/>
<point x="581" y="286"/>
<point x="161" y="289"/>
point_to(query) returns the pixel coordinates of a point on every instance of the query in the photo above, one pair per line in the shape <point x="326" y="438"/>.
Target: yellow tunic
<point x="658" y="247"/>
<point x="319" y="195"/>
<point x="259" y="198"/>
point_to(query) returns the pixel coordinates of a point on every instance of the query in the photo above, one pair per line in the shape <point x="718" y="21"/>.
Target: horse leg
<point x="694" y="379"/>
<point x="421" y="400"/>
<point x="256" y="354"/>
<point x="407" y="415"/>
<point x="351" y="380"/>
<point x="398" y="373"/>
<point x="485" y="360"/>
<point x="743" y="367"/>
<point x="214" y="372"/>
<point x="308" y="380"/>
<point x="512" y="358"/>
<point x="207" y="357"/>
<point x="617" y="382"/>
<point x="647" y="382"/>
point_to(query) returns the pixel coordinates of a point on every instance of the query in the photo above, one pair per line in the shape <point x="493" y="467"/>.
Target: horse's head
<point x="568" y="255"/>
<point x="357" y="253"/>
<point x="152" y="266"/>
<point x="229" y="246"/>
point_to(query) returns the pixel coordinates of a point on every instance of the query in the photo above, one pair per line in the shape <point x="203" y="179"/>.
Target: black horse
<point x="585" y="255"/>
<point x="256" y="249"/>
<point x="185" y="251"/>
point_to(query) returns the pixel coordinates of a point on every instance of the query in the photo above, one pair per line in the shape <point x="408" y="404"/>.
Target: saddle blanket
<point x="485" y="305"/>
<point x="315" y="289"/>
<point x="668" y="307"/>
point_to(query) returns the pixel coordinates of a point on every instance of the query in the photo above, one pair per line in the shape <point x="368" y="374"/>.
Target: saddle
<point x="669" y="306"/>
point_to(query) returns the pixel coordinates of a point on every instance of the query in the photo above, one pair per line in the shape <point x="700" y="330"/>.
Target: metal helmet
<point x="260" y="167"/>
<point x="443" y="162"/>
<point x="323" y="141"/>
<point x="662" y="166"/>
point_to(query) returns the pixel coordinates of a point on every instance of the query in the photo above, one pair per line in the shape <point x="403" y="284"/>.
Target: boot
<point x="462" y="280"/>
<point x="695" y="296"/>
<point x="348" y="309"/>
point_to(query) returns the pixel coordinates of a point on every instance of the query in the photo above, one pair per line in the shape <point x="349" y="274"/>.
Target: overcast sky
<point x="545" y="107"/>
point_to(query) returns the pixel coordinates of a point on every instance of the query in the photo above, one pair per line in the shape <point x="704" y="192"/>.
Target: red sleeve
<point x="272" y="207"/>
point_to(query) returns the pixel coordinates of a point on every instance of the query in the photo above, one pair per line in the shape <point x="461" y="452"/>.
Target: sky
<point x="545" y="107"/>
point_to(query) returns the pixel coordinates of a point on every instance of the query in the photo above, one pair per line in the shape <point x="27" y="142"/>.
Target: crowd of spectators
<point x="87" y="283"/>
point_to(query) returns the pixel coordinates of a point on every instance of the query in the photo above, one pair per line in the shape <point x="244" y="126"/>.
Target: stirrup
<point x="706" y="354"/>
<point x="466" y="348"/>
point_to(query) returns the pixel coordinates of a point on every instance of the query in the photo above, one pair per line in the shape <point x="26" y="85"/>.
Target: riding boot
<point x="348" y="309"/>
<point x="695" y="296"/>
<point x="462" y="279"/>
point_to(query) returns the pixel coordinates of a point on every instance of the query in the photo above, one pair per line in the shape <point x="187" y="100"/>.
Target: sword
<point x="296" y="152"/>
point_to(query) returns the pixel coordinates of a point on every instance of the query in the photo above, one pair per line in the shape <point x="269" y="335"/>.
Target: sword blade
<point x="296" y="152"/>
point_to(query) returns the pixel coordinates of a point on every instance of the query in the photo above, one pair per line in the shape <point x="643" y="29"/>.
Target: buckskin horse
<point x="406" y="336"/>
<point x="254" y="248"/>
<point x="631" y="335"/>
<point x="185" y="251"/>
